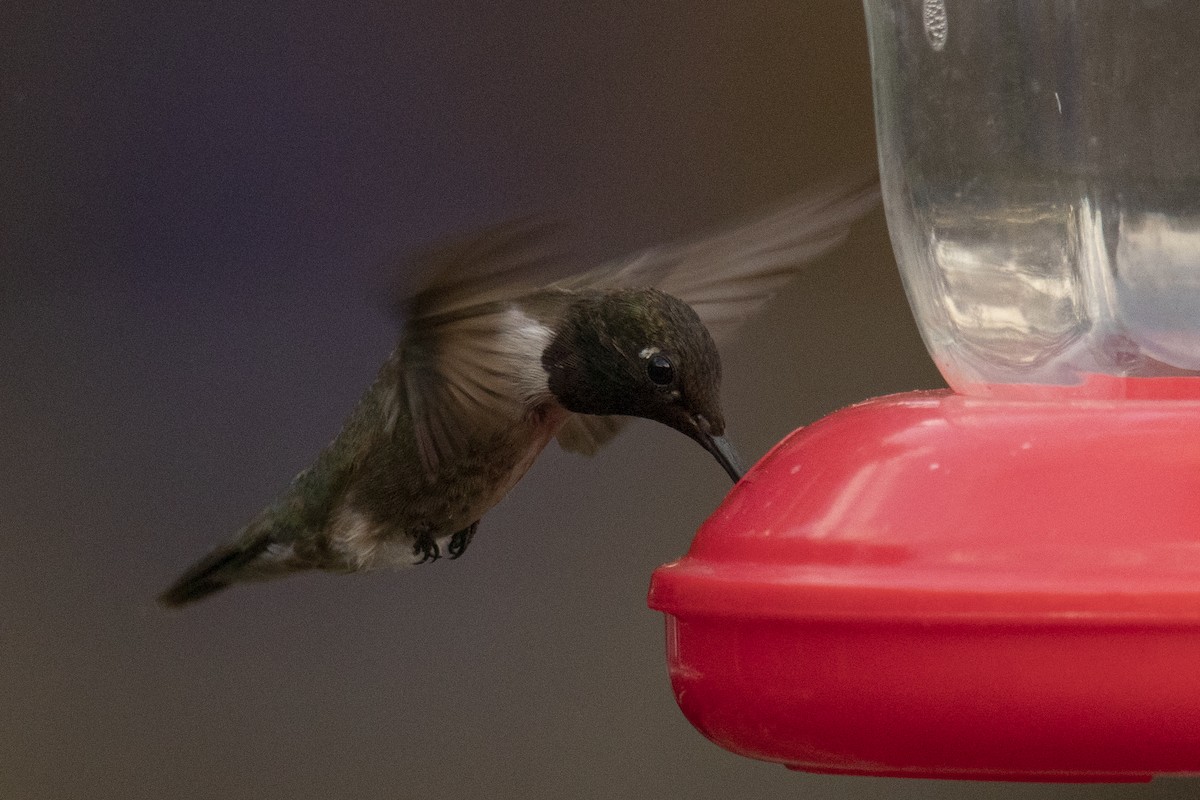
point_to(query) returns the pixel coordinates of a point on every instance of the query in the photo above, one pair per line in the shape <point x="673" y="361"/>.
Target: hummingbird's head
<point x="641" y="353"/>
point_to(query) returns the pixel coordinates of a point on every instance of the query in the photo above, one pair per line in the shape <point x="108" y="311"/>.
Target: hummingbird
<point x="494" y="360"/>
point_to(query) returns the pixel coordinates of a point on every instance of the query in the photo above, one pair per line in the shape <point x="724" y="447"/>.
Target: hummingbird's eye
<point x="660" y="369"/>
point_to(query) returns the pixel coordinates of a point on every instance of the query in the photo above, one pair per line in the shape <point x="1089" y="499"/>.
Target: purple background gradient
<point x="194" y="204"/>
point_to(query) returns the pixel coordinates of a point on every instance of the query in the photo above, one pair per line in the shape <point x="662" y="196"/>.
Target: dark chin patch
<point x="561" y="369"/>
<point x="567" y="373"/>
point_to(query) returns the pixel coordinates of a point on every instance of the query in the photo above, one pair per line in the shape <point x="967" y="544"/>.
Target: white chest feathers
<point x="522" y="340"/>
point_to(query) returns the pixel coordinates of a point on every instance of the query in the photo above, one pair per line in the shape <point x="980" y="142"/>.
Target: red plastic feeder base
<point x="930" y="585"/>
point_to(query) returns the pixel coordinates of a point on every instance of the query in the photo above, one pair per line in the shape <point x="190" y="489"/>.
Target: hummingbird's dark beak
<point x="723" y="451"/>
<point x="719" y="446"/>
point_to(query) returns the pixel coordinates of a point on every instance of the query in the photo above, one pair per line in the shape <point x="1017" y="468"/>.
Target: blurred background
<point x="195" y="202"/>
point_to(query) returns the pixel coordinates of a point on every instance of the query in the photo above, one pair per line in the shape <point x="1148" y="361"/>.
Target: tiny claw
<point x="460" y="540"/>
<point x="425" y="547"/>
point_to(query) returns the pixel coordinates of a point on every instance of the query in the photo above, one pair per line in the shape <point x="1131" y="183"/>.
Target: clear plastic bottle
<point x="1041" y="175"/>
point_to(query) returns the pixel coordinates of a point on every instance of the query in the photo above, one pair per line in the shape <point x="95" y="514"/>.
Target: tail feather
<point x="284" y="537"/>
<point x="217" y="570"/>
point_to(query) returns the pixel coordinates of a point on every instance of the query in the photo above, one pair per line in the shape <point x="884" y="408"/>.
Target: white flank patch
<point x="278" y="553"/>
<point x="364" y="544"/>
<point x="356" y="537"/>
<point x="398" y="552"/>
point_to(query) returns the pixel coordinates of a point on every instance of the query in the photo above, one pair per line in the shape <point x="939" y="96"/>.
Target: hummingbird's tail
<point x="263" y="550"/>
<point x="217" y="570"/>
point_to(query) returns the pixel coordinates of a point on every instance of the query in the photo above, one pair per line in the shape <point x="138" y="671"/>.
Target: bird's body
<point x="491" y="366"/>
<point x="386" y="506"/>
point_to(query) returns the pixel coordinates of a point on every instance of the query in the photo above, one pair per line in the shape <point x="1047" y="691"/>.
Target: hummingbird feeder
<point x="1001" y="581"/>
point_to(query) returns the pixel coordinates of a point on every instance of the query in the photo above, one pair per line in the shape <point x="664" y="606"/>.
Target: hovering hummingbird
<point x="494" y="361"/>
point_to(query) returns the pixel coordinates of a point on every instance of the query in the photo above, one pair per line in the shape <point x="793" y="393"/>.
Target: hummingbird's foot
<point x="460" y="540"/>
<point x="425" y="547"/>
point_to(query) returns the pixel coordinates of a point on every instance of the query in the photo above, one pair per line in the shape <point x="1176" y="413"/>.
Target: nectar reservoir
<point x="1000" y="581"/>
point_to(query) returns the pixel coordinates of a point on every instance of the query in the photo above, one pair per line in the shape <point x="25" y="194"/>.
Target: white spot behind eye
<point x="649" y="351"/>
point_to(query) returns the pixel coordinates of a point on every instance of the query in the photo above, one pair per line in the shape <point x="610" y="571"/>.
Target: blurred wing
<point x="460" y="367"/>
<point x="460" y="353"/>
<point x="496" y="264"/>
<point x="727" y="277"/>
<point x="584" y="433"/>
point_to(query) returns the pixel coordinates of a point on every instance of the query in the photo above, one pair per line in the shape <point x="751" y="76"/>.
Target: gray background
<point x="194" y="205"/>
